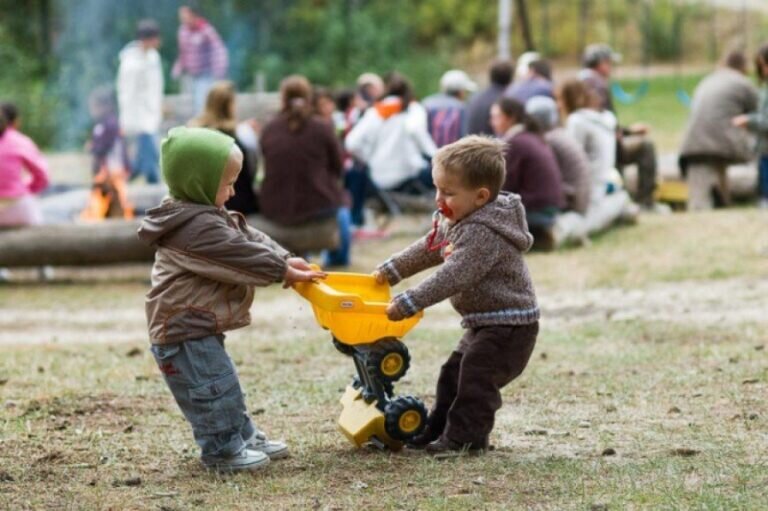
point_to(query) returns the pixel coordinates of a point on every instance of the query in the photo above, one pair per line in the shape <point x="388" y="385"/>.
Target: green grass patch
<point x="633" y="412"/>
<point x="660" y="108"/>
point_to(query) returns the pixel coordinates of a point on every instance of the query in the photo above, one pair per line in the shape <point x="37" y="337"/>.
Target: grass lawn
<point x="647" y="390"/>
<point x="660" y="108"/>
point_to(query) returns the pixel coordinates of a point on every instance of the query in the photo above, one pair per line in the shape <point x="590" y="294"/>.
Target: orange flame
<point x="109" y="197"/>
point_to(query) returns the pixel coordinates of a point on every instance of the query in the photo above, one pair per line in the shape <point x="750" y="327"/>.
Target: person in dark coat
<point x="479" y="107"/>
<point x="303" y="168"/>
<point x="532" y="170"/>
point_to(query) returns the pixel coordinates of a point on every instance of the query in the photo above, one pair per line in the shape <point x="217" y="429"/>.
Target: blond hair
<point x="476" y="160"/>
<point x="219" y="110"/>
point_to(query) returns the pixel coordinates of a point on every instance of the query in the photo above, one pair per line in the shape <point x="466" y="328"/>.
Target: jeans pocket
<point x="217" y="406"/>
<point x="163" y="352"/>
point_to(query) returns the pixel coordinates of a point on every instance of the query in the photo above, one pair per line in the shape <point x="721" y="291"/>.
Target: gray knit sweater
<point x="483" y="271"/>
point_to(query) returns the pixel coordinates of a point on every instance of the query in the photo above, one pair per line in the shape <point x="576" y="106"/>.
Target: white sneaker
<point x="273" y="448"/>
<point x="5" y="275"/>
<point x="247" y="459"/>
<point x="763" y="203"/>
<point x="630" y="214"/>
<point x="45" y="273"/>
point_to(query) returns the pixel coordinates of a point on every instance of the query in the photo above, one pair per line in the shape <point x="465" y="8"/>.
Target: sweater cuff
<point x="390" y="272"/>
<point x="752" y="122"/>
<point x="405" y="304"/>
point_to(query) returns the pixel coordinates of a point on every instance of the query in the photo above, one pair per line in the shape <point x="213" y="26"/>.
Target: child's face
<point x="228" y="177"/>
<point x="500" y="122"/>
<point x="454" y="198"/>
<point x="325" y="107"/>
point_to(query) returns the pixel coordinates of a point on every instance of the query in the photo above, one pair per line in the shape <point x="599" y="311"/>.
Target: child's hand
<point x="380" y="277"/>
<point x="294" y="275"/>
<point x="299" y="264"/>
<point x="740" y="121"/>
<point x="393" y="312"/>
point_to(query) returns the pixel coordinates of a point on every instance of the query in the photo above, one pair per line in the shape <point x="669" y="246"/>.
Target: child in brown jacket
<point x="479" y="236"/>
<point x="207" y="263"/>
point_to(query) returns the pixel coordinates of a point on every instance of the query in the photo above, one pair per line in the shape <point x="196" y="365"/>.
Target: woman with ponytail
<point x="303" y="167"/>
<point x="532" y="170"/>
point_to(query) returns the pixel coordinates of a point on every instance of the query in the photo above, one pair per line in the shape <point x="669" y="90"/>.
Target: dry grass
<point x="87" y="423"/>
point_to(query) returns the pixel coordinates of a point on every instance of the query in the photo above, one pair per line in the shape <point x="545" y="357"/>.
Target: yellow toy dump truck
<point x="353" y="307"/>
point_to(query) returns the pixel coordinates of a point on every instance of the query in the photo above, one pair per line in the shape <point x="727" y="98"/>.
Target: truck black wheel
<point x="388" y="360"/>
<point x="405" y="417"/>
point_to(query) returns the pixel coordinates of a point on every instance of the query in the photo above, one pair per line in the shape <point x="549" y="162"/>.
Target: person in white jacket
<point x="392" y="138"/>
<point x="140" y="98"/>
<point x="595" y="131"/>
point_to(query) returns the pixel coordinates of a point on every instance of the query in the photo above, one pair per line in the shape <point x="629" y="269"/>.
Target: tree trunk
<point x="525" y="25"/>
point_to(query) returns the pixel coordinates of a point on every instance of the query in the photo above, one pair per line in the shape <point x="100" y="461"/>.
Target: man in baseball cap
<point x="447" y="113"/>
<point x="634" y="146"/>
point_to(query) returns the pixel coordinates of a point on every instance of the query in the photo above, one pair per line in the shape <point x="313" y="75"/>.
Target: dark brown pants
<point x="470" y="382"/>
<point x="640" y="150"/>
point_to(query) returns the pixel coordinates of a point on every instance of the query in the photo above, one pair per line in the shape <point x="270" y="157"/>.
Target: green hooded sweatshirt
<point x="193" y="161"/>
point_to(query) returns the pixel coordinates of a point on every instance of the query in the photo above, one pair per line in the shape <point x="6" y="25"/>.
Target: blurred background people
<point x="479" y="107"/>
<point x="202" y="59"/>
<point x="303" y="168"/>
<point x="140" y="100"/>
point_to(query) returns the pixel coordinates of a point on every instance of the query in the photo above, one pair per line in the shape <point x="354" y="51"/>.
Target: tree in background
<point x="54" y="52"/>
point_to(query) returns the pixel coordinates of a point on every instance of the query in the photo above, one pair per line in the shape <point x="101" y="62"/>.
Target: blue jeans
<point x="340" y="255"/>
<point x="145" y="158"/>
<point x="763" y="176"/>
<point x="358" y="182"/>
<point x="204" y="383"/>
<point x="198" y="87"/>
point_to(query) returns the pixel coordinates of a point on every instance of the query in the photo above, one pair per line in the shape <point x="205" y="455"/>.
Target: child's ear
<point x="483" y="194"/>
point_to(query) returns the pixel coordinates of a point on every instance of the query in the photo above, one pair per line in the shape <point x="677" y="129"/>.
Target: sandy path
<point x="731" y="301"/>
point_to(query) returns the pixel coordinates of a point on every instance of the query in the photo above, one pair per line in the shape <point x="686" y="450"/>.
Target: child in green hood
<point x="207" y="263"/>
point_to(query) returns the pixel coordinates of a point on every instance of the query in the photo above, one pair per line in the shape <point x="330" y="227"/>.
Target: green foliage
<point x="346" y="38"/>
<point x="55" y="52"/>
<point x="23" y="82"/>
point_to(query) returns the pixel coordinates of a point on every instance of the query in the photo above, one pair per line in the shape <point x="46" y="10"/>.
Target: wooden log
<point x="107" y="242"/>
<point x="65" y="207"/>
<point x="115" y="241"/>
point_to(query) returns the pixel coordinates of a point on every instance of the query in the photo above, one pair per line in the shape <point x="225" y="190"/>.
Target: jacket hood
<point x="133" y="51"/>
<point x="506" y="216"/>
<point x="167" y="217"/>
<point x="603" y="118"/>
<point x="193" y="161"/>
<point x="130" y="50"/>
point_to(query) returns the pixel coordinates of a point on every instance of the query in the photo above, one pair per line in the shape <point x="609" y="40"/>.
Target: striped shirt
<point x="201" y="52"/>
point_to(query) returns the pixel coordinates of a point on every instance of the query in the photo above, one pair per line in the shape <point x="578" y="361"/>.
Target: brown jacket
<point x="483" y="271"/>
<point x="207" y="262"/>
<point x="302" y="172"/>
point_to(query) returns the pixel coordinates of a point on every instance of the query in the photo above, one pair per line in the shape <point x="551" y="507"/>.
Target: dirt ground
<point x="647" y="389"/>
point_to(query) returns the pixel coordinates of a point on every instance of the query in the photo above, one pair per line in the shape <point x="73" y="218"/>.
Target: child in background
<point x="111" y="167"/>
<point x="207" y="263"/>
<point x="480" y="243"/>
<point x="757" y="122"/>
<point x="106" y="145"/>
